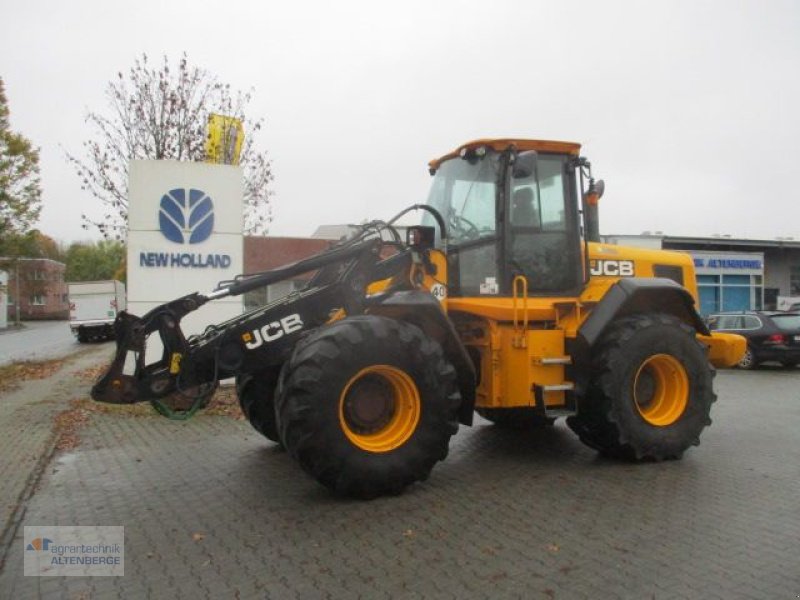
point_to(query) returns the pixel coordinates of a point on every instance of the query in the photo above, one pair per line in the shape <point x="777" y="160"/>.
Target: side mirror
<point x="599" y="188"/>
<point x="524" y="164"/>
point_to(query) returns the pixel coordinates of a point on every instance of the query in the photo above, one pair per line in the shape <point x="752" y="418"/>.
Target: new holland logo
<point x="186" y="216"/>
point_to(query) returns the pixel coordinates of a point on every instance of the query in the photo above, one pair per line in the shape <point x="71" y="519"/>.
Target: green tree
<point x="161" y="113"/>
<point x="95" y="261"/>
<point x="31" y="244"/>
<point x="20" y="185"/>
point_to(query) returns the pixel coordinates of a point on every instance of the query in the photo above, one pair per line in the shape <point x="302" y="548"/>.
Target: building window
<point x="794" y="280"/>
<point x="37" y="300"/>
<point x="736" y="292"/>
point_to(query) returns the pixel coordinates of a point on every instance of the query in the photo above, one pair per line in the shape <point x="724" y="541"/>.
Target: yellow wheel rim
<point x="379" y="408"/>
<point x="661" y="390"/>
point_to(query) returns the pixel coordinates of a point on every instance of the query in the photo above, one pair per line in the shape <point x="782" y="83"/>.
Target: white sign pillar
<point x="184" y="235"/>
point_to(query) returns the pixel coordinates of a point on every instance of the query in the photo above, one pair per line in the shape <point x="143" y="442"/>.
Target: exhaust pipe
<point x="591" y="209"/>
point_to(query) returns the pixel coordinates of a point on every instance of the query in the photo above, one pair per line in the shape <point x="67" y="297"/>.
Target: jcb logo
<point x="272" y="331"/>
<point x="611" y="268"/>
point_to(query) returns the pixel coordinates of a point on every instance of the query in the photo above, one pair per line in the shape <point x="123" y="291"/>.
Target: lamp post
<point x="16" y="285"/>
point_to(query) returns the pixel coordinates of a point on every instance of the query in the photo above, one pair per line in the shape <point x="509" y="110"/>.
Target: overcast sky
<point x="690" y="111"/>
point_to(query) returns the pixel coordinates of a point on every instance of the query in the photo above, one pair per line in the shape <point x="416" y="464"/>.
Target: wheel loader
<point x="501" y="301"/>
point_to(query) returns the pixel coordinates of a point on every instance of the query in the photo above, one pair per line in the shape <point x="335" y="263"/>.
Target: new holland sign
<point x="185" y="216"/>
<point x="184" y="232"/>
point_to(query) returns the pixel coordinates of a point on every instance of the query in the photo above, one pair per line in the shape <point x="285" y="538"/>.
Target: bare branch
<point x="161" y="113"/>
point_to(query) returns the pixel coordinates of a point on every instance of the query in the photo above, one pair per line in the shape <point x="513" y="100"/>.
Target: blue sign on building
<point x="729" y="281"/>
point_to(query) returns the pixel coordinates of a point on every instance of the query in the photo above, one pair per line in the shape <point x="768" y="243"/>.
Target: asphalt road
<point x="37" y="340"/>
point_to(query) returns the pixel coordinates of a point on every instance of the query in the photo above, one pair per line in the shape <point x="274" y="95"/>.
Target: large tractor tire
<point x="367" y="406"/>
<point x="521" y="419"/>
<point x="256" y="394"/>
<point x="651" y="392"/>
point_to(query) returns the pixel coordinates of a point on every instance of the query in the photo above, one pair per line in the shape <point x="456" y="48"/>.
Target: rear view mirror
<point x="524" y="165"/>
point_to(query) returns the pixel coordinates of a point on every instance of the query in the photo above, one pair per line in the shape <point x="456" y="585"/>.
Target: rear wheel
<point x="256" y="394"/>
<point x="368" y="405"/>
<point x="651" y="394"/>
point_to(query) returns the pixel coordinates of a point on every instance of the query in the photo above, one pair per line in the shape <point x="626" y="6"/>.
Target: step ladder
<point x="520" y="320"/>
<point x="570" y="406"/>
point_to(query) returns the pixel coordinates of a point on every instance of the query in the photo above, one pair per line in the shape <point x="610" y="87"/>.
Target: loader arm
<point x="255" y="340"/>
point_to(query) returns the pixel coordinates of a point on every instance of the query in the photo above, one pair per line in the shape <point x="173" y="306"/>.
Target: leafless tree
<point x="162" y="113"/>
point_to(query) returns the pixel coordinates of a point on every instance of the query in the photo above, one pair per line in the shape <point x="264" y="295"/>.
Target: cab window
<point x="540" y="247"/>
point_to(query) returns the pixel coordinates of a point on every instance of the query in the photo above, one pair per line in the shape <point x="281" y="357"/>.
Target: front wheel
<point x="367" y="405"/>
<point x="651" y="394"/>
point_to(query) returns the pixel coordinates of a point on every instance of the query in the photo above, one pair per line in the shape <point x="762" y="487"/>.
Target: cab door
<point x="543" y="234"/>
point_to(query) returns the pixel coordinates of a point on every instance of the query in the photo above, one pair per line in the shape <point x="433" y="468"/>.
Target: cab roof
<point x="500" y="144"/>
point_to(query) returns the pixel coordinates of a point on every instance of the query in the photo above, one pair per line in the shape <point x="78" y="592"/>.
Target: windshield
<point x="464" y="192"/>
<point x="787" y="322"/>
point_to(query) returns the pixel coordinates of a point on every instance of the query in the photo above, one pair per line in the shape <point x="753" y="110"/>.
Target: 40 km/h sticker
<point x="439" y="291"/>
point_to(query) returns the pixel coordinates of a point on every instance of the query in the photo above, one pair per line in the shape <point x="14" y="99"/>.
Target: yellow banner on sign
<point x="224" y="140"/>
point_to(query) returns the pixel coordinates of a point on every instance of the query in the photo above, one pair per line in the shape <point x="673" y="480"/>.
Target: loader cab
<point x="510" y="211"/>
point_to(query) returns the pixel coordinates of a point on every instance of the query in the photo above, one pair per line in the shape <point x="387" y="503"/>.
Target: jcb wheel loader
<point x="503" y="301"/>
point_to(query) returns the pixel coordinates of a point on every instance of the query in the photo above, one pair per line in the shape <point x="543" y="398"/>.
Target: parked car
<point x="788" y="303"/>
<point x="771" y="335"/>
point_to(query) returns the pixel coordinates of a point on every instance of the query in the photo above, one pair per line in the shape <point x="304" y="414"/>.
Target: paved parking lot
<point x="212" y="510"/>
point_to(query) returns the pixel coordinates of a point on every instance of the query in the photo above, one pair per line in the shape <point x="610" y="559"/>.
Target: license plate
<point x="797" y="338"/>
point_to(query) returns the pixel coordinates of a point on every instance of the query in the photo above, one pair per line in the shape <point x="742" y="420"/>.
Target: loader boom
<point x="223" y="350"/>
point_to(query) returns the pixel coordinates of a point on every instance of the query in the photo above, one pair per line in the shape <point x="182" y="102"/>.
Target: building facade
<point x="733" y="274"/>
<point x="36" y="289"/>
<point x="265" y="253"/>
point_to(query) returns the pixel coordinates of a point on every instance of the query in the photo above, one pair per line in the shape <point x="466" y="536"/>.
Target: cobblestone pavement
<point x="211" y="510"/>
<point x="27" y="433"/>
